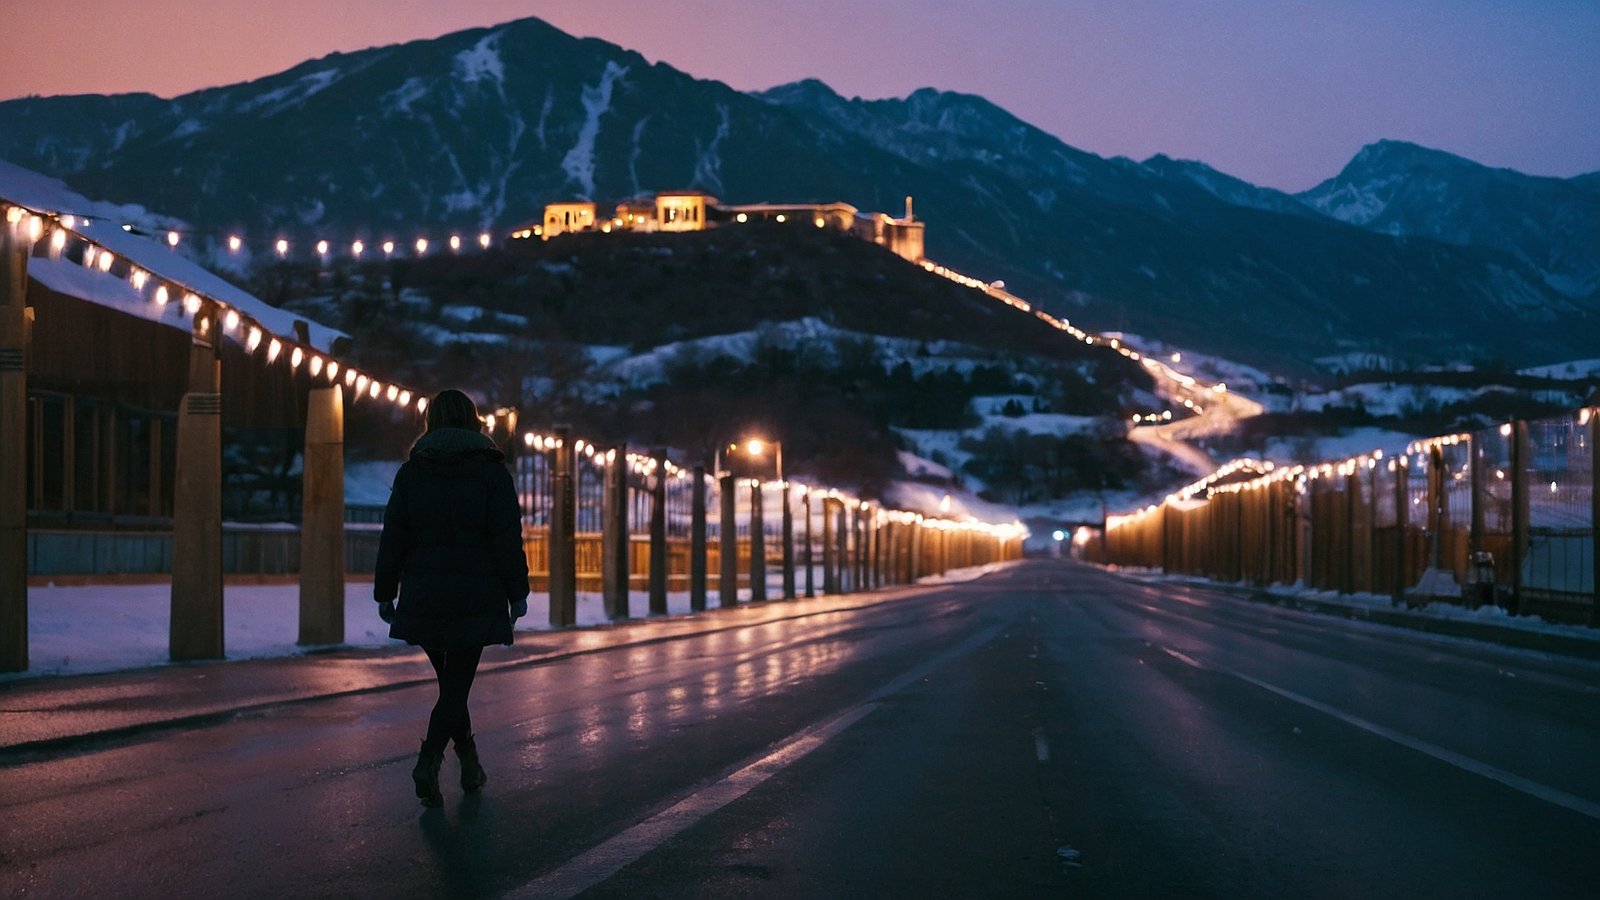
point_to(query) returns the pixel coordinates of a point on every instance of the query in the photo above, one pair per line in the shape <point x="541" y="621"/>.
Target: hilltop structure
<point x="698" y="211"/>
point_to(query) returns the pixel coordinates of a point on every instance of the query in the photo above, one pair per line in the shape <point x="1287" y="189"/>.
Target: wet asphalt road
<point x="1046" y="731"/>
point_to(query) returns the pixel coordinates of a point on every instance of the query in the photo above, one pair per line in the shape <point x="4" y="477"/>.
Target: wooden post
<point x="1402" y="523"/>
<point x="1347" y="578"/>
<point x="563" y="534"/>
<point x="805" y="502"/>
<point x="758" y="545"/>
<point x="322" y="520"/>
<point x="658" y="533"/>
<point x="614" y="537"/>
<point x="830" y="566"/>
<point x="196" y="625"/>
<point x="787" y="514"/>
<point x="1519" y="509"/>
<point x="697" y="541"/>
<point x="728" y="580"/>
<point x="14" y="316"/>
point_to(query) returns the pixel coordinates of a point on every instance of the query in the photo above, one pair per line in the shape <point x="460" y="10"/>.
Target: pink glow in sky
<point x="1279" y="92"/>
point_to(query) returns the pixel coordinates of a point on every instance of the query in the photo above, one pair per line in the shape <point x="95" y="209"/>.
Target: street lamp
<point x="756" y="449"/>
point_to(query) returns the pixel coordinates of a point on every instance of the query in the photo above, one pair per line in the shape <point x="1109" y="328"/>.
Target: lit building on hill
<point x="560" y="218"/>
<point x="698" y="211"/>
<point x="683" y="210"/>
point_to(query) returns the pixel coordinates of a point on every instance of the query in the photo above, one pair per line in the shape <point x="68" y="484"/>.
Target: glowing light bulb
<point x="283" y="247"/>
<point x="350" y="377"/>
<point x="422" y="404"/>
<point x="274" y="348"/>
<point x="254" y="340"/>
<point x="405" y="398"/>
<point x="191" y="303"/>
<point x="333" y="370"/>
<point x="455" y="242"/>
<point x="234" y="243"/>
<point x="392" y="393"/>
<point x="231" y="320"/>
<point x="316" y="366"/>
<point x="373" y="390"/>
<point x="322" y="248"/>
<point x="422" y="246"/>
<point x="138" y="277"/>
<point x="361" y="384"/>
<point x="58" y="241"/>
<point x="356" y="248"/>
<point x="172" y="238"/>
<point x="484" y="240"/>
<point x="296" y="358"/>
<point x="388" y="248"/>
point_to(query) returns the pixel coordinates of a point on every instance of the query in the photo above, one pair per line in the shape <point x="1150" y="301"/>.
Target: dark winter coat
<point x="452" y="544"/>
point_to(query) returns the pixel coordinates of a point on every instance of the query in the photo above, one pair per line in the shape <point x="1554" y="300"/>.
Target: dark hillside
<point x="520" y="327"/>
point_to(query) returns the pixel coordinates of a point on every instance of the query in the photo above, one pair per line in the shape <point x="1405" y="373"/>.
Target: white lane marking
<point x="607" y="858"/>
<point x="1466" y="763"/>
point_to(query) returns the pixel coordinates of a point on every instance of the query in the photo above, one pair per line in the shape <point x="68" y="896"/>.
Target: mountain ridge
<point x="481" y="127"/>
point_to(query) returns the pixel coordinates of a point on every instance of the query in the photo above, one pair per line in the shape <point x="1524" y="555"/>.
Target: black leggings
<point x="455" y="667"/>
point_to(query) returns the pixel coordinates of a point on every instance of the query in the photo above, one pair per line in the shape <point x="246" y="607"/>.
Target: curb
<point x="1555" y="644"/>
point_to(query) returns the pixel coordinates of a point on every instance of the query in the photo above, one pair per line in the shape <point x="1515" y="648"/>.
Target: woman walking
<point x="452" y="550"/>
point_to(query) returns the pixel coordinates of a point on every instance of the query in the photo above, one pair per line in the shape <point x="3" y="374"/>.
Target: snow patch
<point x="482" y="62"/>
<point x="400" y="99"/>
<point x="708" y="169"/>
<point x="579" y="162"/>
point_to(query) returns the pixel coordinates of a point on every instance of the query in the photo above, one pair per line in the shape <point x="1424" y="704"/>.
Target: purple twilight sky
<point x="1279" y="92"/>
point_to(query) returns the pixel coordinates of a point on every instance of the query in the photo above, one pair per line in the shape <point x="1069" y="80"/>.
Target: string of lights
<point x="69" y="235"/>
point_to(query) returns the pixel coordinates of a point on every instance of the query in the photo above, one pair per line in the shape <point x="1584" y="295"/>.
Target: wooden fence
<point x="1502" y="516"/>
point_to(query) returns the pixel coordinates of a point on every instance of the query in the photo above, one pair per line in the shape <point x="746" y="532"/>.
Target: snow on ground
<point x="80" y="629"/>
<point x="368" y="483"/>
<point x="1305" y="450"/>
<point x="1387" y="399"/>
<point x="1572" y="370"/>
<point x="812" y="334"/>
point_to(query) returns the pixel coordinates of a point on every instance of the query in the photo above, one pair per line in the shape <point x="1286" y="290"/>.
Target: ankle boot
<point x="472" y="774"/>
<point x="426" y="776"/>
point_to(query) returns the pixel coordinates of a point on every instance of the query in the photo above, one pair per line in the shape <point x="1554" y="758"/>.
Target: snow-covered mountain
<point x="1552" y="224"/>
<point x="481" y="128"/>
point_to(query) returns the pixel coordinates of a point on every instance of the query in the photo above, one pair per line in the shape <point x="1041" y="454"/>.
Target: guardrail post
<point x="615" y="540"/>
<point x="758" y="544"/>
<point x="805" y="500"/>
<point x="563" y="534"/>
<point x="322" y="519"/>
<point x="728" y="580"/>
<point x="658" y="533"/>
<point x="14" y="316"/>
<point x="697" y="541"/>
<point x="788" y="543"/>
<point x="196" y="625"/>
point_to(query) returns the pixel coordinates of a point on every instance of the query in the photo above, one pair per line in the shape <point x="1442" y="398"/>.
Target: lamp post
<point x="755" y="449"/>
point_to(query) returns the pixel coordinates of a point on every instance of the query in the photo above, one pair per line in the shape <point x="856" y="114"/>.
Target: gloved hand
<point x="386" y="611"/>
<point x="519" y="609"/>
